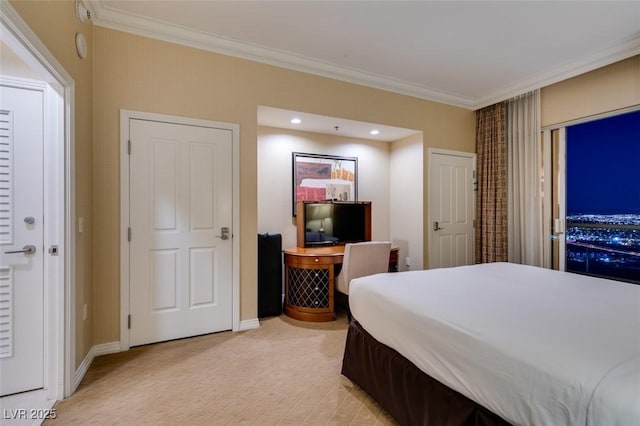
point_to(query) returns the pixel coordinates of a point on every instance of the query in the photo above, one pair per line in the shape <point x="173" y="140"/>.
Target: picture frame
<point x="320" y="177"/>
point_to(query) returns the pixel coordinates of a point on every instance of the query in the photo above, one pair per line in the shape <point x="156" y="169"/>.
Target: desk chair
<point x="362" y="259"/>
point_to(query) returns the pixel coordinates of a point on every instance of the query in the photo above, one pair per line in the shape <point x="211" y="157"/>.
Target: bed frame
<point x="404" y="391"/>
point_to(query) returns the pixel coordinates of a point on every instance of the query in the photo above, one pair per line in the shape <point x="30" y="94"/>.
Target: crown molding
<point x="619" y="52"/>
<point x="134" y="24"/>
<point x="109" y="18"/>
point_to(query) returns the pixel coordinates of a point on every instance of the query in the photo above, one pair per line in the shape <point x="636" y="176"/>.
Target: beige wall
<point x="606" y="89"/>
<point x="407" y="199"/>
<point x="55" y="24"/>
<point x="12" y="65"/>
<point x="138" y="73"/>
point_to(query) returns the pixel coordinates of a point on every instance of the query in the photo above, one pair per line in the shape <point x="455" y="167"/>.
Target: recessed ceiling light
<point x="374" y="132"/>
<point x="296" y="121"/>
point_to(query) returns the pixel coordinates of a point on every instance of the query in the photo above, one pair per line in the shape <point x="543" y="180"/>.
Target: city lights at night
<point x="603" y="197"/>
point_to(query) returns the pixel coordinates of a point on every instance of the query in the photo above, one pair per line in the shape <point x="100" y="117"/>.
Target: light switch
<point x="81" y="224"/>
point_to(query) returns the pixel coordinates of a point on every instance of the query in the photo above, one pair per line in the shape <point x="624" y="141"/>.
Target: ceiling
<point x="281" y="118"/>
<point x="464" y="53"/>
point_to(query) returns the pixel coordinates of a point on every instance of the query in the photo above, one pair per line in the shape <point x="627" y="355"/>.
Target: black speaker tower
<point x="269" y="275"/>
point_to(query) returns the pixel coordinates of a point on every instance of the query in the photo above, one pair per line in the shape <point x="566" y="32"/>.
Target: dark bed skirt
<point x="408" y="394"/>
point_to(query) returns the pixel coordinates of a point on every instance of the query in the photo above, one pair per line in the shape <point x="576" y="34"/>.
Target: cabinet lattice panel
<point x="311" y="289"/>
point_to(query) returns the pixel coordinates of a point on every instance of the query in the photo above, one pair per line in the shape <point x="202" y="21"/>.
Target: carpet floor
<point x="286" y="372"/>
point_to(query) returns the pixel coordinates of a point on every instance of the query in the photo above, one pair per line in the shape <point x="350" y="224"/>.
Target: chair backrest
<point x="362" y="259"/>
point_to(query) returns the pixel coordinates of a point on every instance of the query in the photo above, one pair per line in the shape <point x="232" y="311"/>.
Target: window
<point x="603" y="197"/>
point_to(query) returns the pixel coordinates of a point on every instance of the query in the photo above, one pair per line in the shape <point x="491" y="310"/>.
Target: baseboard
<point x="106" y="348"/>
<point x="114" y="347"/>
<point x="249" y="324"/>
<point x="97" y="350"/>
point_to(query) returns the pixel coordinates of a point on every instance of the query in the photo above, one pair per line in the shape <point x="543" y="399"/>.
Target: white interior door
<point x="180" y="219"/>
<point x="21" y="240"/>
<point x="451" y="208"/>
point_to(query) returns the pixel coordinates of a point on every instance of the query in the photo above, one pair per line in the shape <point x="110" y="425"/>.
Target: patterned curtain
<point x="491" y="198"/>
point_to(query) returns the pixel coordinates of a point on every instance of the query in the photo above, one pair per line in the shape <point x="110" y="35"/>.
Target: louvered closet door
<point x="21" y="216"/>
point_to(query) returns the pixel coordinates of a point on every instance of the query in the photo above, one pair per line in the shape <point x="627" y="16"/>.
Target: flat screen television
<point x="333" y="223"/>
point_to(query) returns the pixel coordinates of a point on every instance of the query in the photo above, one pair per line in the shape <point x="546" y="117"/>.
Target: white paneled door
<point x="180" y="219"/>
<point x="451" y="208"/>
<point x="21" y="240"/>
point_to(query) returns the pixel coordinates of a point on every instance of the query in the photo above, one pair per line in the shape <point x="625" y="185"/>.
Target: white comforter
<point x="535" y="346"/>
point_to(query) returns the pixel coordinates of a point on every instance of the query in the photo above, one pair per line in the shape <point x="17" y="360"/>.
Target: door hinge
<point x="129" y="234"/>
<point x="129" y="321"/>
<point x="129" y="146"/>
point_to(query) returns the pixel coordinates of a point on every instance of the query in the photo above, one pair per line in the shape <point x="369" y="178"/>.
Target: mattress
<point x="532" y="345"/>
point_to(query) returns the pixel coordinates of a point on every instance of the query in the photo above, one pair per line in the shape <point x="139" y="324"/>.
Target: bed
<point x="497" y="343"/>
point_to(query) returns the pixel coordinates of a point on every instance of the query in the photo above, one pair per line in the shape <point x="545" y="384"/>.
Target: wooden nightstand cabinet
<point x="309" y="280"/>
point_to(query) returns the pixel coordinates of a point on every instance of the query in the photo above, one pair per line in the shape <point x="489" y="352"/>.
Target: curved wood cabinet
<point x="310" y="278"/>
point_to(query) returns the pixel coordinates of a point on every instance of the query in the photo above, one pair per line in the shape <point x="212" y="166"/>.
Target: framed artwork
<point x="319" y="177"/>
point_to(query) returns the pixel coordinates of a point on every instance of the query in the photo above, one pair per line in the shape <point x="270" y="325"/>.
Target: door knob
<point x="28" y="249"/>
<point x="436" y="226"/>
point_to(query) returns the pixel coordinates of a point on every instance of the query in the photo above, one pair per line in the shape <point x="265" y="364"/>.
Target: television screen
<point x="334" y="223"/>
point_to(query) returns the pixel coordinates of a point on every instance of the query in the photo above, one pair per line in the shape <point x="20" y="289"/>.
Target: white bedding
<point x="535" y="346"/>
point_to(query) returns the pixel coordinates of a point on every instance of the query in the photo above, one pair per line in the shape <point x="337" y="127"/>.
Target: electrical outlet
<point x="84" y="312"/>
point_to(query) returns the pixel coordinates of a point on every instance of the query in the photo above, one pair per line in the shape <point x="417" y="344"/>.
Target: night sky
<point x="603" y="166"/>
